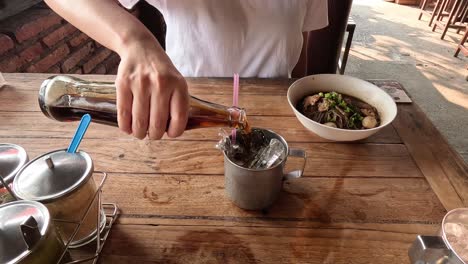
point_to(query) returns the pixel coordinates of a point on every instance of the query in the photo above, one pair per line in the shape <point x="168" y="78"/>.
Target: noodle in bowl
<point x="345" y="85"/>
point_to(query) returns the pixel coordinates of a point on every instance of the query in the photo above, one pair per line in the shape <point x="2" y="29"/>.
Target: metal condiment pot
<point x="12" y="159"/>
<point x="63" y="182"/>
<point x="28" y="235"/>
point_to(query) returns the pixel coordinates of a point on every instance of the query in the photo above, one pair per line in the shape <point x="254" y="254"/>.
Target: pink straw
<point x="235" y="102"/>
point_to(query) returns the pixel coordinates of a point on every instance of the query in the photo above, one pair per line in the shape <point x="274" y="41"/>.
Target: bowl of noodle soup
<point x="340" y="108"/>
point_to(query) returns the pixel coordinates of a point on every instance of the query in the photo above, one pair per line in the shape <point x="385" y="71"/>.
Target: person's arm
<point x="300" y="70"/>
<point x="150" y="90"/>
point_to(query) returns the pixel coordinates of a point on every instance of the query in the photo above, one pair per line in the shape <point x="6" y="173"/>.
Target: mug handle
<point x="300" y="153"/>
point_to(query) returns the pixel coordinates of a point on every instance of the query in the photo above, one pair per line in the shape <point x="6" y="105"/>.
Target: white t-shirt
<point x="255" y="38"/>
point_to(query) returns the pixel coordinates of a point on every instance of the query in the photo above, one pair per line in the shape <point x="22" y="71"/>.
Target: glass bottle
<point x="66" y="98"/>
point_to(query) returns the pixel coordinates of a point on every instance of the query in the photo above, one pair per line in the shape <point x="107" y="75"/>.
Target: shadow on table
<point x="173" y="245"/>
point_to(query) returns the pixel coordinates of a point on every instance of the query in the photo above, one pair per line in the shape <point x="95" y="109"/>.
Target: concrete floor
<point x="390" y="43"/>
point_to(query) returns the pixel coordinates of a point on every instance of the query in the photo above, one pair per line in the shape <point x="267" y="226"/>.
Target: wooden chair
<point x="438" y="11"/>
<point x="461" y="47"/>
<point x="423" y="7"/>
<point x="324" y="45"/>
<point x="431" y="13"/>
<point x="463" y="19"/>
<point x="456" y="16"/>
<point x="344" y="60"/>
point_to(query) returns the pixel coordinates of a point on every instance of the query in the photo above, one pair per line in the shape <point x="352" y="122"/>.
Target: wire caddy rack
<point x="108" y="211"/>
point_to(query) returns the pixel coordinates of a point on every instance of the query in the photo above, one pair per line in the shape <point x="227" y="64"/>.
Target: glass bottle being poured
<point x="66" y="98"/>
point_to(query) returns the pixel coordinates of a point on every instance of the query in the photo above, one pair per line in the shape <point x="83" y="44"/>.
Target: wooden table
<point x="361" y="202"/>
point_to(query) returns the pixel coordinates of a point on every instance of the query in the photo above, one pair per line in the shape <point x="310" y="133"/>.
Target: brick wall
<point x="38" y="40"/>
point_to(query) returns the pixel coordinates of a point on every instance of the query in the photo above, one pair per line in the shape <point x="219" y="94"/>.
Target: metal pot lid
<point x="12" y="158"/>
<point x="53" y="175"/>
<point x="13" y="216"/>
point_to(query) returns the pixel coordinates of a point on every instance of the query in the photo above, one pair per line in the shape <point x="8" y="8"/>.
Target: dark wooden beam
<point x="10" y="8"/>
<point x="324" y="45"/>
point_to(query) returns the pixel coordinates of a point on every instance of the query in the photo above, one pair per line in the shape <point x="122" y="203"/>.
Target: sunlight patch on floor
<point x="453" y="96"/>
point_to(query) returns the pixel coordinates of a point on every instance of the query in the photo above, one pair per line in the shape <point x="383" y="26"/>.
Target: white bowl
<point x="360" y="89"/>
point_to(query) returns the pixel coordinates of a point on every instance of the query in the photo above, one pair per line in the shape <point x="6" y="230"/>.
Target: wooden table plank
<point x="189" y="244"/>
<point x="36" y="125"/>
<point x="443" y="168"/>
<point x="157" y="199"/>
<point x="201" y="157"/>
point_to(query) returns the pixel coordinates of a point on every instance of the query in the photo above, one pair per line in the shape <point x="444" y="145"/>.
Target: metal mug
<point x="443" y="249"/>
<point x="252" y="189"/>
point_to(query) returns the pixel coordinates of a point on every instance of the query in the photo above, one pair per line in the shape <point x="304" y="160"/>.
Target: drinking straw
<point x="2" y="80"/>
<point x="80" y="131"/>
<point x="235" y="102"/>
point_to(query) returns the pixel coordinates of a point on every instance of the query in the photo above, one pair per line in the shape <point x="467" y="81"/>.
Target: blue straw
<point x="80" y="131"/>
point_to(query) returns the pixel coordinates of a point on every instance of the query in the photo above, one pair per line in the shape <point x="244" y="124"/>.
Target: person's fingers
<point x="141" y="106"/>
<point x="179" y="107"/>
<point x="159" y="110"/>
<point x="124" y="104"/>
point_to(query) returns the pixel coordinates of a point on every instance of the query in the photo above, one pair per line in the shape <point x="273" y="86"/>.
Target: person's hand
<point x="150" y="92"/>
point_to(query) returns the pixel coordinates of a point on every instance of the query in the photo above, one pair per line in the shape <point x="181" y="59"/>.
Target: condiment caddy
<point x="71" y="212"/>
<point x="52" y="205"/>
